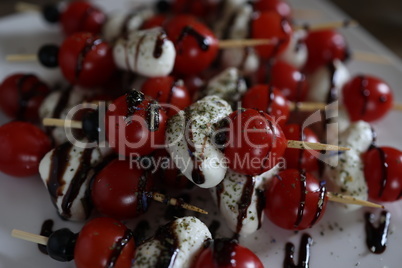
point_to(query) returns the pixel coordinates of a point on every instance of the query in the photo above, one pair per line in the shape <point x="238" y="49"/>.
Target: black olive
<point x="51" y="13"/>
<point x="60" y="245"/>
<point x="48" y="55"/>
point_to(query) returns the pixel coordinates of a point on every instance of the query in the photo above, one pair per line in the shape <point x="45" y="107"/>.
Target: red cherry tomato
<point x="196" y="45"/>
<point x="86" y="60"/>
<point x="199" y="8"/>
<point x="296" y="158"/>
<point x="155" y="21"/>
<point x="253" y="141"/>
<point x="168" y="173"/>
<point x="294" y="200"/>
<point x="225" y="253"/>
<point x="268" y="99"/>
<point x="118" y="190"/>
<point x="382" y="170"/>
<point x="367" y="98"/>
<point x="172" y="94"/>
<point x="279" y="31"/>
<point x="279" y="6"/>
<point x="135" y="124"/>
<point x="103" y="242"/>
<point x="289" y="80"/>
<point x="22" y="147"/>
<point x="21" y="95"/>
<point x="323" y="47"/>
<point x="81" y="16"/>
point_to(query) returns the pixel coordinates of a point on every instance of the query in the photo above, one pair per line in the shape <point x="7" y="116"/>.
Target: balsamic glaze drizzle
<point x="118" y="248"/>
<point x="26" y="95"/>
<point x="244" y="202"/>
<point x="303" y="188"/>
<point x="202" y="41"/>
<point x="365" y="93"/>
<point x="304" y="253"/>
<point x="376" y="237"/>
<point x="223" y="251"/>
<point x="89" y="45"/>
<point x="197" y="175"/>
<point x="59" y="163"/>
<point x="320" y="203"/>
<point x="160" y="41"/>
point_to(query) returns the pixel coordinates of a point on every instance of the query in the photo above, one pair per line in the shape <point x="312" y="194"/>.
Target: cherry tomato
<point x="279" y="31"/>
<point x="323" y="47"/>
<point x="155" y="21"/>
<point x="367" y="98"/>
<point x="104" y="242"/>
<point x="118" y="189"/>
<point x="196" y="45"/>
<point x="253" y="141"/>
<point x="279" y="6"/>
<point x="268" y="99"/>
<point x="135" y="125"/>
<point x="81" y="16"/>
<point x="21" y="95"/>
<point x="86" y="60"/>
<point x="166" y="90"/>
<point x="225" y="253"/>
<point x="382" y="170"/>
<point x="168" y="173"/>
<point x="295" y="200"/>
<point x="296" y="158"/>
<point x="22" y="147"/>
<point x="289" y="80"/>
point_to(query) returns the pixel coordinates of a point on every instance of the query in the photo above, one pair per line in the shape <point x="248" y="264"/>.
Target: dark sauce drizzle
<point x="62" y="102"/>
<point x="244" y="203"/>
<point x="118" y="248"/>
<point x="304" y="253"/>
<point x="320" y="203"/>
<point x="384" y="168"/>
<point x="89" y="45"/>
<point x="46" y="230"/>
<point x="160" y="41"/>
<point x="223" y="251"/>
<point x="376" y="237"/>
<point x="197" y="175"/>
<point x="260" y="205"/>
<point x="202" y="41"/>
<point x="302" y="203"/>
<point x="26" y="95"/>
<point x="213" y="228"/>
<point x="58" y="166"/>
<point x="365" y="93"/>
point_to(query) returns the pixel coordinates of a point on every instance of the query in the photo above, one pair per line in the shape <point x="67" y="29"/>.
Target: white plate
<point x="25" y="204"/>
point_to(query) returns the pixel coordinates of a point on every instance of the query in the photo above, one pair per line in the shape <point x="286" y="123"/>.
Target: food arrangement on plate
<point x="224" y="108"/>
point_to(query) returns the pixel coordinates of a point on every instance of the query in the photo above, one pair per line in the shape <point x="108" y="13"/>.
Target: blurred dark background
<point x="383" y="19"/>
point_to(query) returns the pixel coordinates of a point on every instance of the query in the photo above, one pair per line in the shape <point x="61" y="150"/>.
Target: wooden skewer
<point x="22" y="57"/>
<point x="55" y="122"/>
<point x="327" y="25"/>
<point x="235" y="43"/>
<point x="314" y="146"/>
<point x="174" y="202"/>
<point x="314" y="106"/>
<point x="25" y="7"/>
<point x="370" y="57"/>
<point x="345" y="199"/>
<point x="38" y="239"/>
